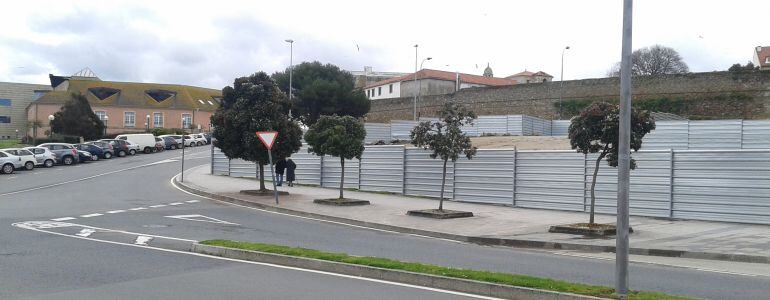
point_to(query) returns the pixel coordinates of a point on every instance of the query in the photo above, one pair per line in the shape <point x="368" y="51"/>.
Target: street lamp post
<point x="147" y="123"/>
<point x="419" y="88"/>
<point x="17" y="134"/>
<point x="414" y="111"/>
<point x="183" y="136"/>
<point x="561" y="81"/>
<point x="291" y="68"/>
<point x="624" y="156"/>
<point x="105" y="124"/>
<point x="50" y="127"/>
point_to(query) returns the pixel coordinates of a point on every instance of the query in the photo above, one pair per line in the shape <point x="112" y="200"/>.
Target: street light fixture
<point x="561" y="81"/>
<point x="147" y="123"/>
<point x="50" y="127"/>
<point x="105" y="124"/>
<point x="291" y="68"/>
<point x="419" y="88"/>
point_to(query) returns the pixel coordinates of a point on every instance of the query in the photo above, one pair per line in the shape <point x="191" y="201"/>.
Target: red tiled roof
<point x="449" y="76"/>
<point x="529" y="74"/>
<point x="762" y="55"/>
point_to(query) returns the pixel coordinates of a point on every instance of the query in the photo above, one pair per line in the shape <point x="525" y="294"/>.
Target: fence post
<point x="321" y="172"/>
<point x="515" y="166"/>
<point x="585" y="179"/>
<point x="741" y="145"/>
<point x="229" y="163"/>
<point x="359" y="173"/>
<point x="403" y="188"/>
<point x="671" y="185"/>
<point x="212" y="160"/>
<point x="454" y="177"/>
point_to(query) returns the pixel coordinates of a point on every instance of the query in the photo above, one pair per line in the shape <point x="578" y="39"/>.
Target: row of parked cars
<point x="49" y="154"/>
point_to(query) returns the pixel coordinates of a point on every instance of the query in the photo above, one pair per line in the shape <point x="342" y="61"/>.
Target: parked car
<point x="85" y="156"/>
<point x="144" y="141"/>
<point x="133" y="148"/>
<point x="107" y="150"/>
<point x="94" y="150"/>
<point x="27" y="158"/>
<point x="199" y="139"/>
<point x="9" y="163"/>
<point x="190" y="141"/>
<point x="43" y="156"/>
<point x="169" y="142"/>
<point x="120" y="147"/>
<point x="208" y="137"/>
<point x="65" y="153"/>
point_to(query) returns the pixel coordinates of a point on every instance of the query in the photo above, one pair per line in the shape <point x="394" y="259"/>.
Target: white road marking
<point x="116" y="211"/>
<point x="137" y="208"/>
<point x="176" y="203"/>
<point x="85" y="232"/>
<point x="12" y="177"/>
<point x="25" y="225"/>
<point x="192" y="201"/>
<point x="35" y="172"/>
<point x="78" y="166"/>
<point x="142" y="240"/>
<point x="159" y="205"/>
<point x="91" y="215"/>
<point x="200" y="218"/>
<point x="63" y="219"/>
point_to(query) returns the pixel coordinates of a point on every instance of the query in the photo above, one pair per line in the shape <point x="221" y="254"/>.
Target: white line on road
<point x="63" y="219"/>
<point x="21" y="225"/>
<point x="159" y="205"/>
<point x="142" y="240"/>
<point x="12" y="177"/>
<point x="35" y="172"/>
<point x="85" y="232"/>
<point x="91" y="215"/>
<point x="176" y="203"/>
<point x="116" y="211"/>
<point x="137" y="208"/>
<point x="192" y="201"/>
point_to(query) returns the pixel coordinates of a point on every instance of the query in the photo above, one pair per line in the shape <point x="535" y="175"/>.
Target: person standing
<point x="280" y="167"/>
<point x="290" y="167"/>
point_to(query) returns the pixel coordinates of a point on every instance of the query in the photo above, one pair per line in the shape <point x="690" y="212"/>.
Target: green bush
<point x="164" y="131"/>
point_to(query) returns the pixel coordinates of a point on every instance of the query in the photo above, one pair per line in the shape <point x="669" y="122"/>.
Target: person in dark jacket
<point x="290" y="167"/>
<point x="280" y="166"/>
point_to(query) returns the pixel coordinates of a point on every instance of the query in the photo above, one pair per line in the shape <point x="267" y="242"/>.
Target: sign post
<point x="268" y="139"/>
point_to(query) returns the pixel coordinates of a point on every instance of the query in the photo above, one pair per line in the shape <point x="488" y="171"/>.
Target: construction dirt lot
<point x="521" y="142"/>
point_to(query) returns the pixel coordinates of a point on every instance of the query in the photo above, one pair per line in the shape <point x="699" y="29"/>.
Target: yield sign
<point x="267" y="138"/>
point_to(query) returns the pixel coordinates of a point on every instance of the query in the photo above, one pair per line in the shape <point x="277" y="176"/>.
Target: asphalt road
<point x="136" y="195"/>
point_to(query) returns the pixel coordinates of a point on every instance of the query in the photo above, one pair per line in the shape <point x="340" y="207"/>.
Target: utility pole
<point x="291" y="68"/>
<point x="414" y="102"/>
<point x="561" y="81"/>
<point x="624" y="156"/>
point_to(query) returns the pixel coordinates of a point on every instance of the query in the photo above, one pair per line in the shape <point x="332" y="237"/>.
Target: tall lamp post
<point x="50" y="127"/>
<point x="183" y="136"/>
<point x="291" y="68"/>
<point x="147" y="123"/>
<point x="624" y="156"/>
<point x="105" y="124"/>
<point x="414" y="111"/>
<point x="561" y="81"/>
<point x="419" y="87"/>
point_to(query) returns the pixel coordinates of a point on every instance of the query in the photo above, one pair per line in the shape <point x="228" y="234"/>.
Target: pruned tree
<point x="596" y="130"/>
<point x="339" y="136"/>
<point x="738" y="67"/>
<point x="445" y="138"/>
<point x="252" y="104"/>
<point x="322" y="90"/>
<point x="76" y="118"/>
<point x="654" y="60"/>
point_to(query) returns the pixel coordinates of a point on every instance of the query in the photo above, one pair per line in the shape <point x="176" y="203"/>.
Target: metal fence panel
<point x="332" y="172"/>
<point x="308" y="167"/>
<point x="377" y="132"/>
<point x="550" y="179"/>
<point x="650" y="193"/>
<point x="382" y="169"/>
<point x="667" y="135"/>
<point x="515" y="125"/>
<point x="722" y="186"/>
<point x="536" y="126"/>
<point x="756" y="134"/>
<point x="423" y="175"/>
<point x="242" y="168"/>
<point x="221" y="164"/>
<point x="560" y="127"/>
<point x="471" y="130"/>
<point x="400" y="130"/>
<point x="487" y="178"/>
<point x="492" y="125"/>
<point x="716" y="134"/>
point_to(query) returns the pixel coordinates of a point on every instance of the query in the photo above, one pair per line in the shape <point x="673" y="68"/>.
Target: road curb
<point x="432" y="281"/>
<point x="518" y="243"/>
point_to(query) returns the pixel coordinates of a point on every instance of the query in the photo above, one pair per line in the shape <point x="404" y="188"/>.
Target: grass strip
<point x="485" y="276"/>
<point x="11" y="144"/>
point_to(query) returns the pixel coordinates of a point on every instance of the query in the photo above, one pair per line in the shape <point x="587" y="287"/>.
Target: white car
<point x="9" y="163"/>
<point x="27" y="158"/>
<point x="133" y="148"/>
<point x="43" y="156"/>
<point x="199" y="139"/>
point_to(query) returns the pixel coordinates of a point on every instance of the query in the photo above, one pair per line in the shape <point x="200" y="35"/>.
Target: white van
<point x="146" y="141"/>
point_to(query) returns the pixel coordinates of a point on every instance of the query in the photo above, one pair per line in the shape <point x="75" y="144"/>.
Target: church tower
<point x="488" y="71"/>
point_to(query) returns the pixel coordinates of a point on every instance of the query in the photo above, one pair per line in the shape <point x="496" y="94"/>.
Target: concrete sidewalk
<point x="500" y="225"/>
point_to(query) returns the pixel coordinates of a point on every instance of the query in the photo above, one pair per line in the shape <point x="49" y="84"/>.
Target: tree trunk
<point x="261" y="177"/>
<point x="342" y="177"/>
<point x="593" y="186"/>
<point x="443" y="180"/>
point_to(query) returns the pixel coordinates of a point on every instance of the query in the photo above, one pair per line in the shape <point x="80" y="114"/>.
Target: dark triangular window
<point x="160" y="95"/>
<point x="103" y="92"/>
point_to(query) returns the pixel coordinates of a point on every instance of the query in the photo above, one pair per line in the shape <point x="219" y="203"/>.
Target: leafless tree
<point x="654" y="60"/>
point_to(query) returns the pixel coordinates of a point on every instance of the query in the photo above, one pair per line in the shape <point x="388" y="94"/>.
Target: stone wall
<point x="541" y="99"/>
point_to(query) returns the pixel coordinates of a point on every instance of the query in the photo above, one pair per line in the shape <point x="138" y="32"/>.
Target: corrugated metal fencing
<point x="377" y="132"/>
<point x="718" y="185"/>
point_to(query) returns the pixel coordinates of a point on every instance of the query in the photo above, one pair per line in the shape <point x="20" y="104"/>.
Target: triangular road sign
<point x="200" y="218"/>
<point x="268" y="138"/>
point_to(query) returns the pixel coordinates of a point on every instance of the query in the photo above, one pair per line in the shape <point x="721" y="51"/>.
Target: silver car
<point x="9" y="163"/>
<point x="43" y="156"/>
<point x="27" y="158"/>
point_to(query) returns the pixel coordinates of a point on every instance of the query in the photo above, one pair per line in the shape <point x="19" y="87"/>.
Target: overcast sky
<point x="210" y="43"/>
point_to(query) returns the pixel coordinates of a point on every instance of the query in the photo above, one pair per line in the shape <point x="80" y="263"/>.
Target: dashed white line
<point x="193" y="201"/>
<point x="137" y="208"/>
<point x="176" y="203"/>
<point x="63" y="219"/>
<point x="35" y="172"/>
<point x="116" y="211"/>
<point x="85" y="232"/>
<point x="91" y="215"/>
<point x="159" y="205"/>
<point x="12" y="177"/>
<point x="142" y="240"/>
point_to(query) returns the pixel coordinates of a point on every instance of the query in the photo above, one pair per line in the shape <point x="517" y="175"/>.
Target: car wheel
<point x="107" y="155"/>
<point x="122" y="153"/>
<point x="7" y="169"/>
<point x="147" y="150"/>
<point x="29" y="166"/>
<point x="95" y="157"/>
<point x="68" y="160"/>
<point x="132" y="152"/>
<point x="199" y="144"/>
<point x="48" y="163"/>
